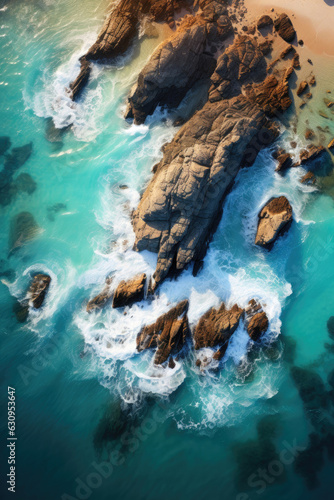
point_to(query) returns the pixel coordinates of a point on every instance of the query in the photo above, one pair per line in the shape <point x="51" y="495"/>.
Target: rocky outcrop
<point x="129" y="292"/>
<point x="216" y="327"/>
<point x="284" y="28"/>
<point x="174" y="67"/>
<point x="102" y="299"/>
<point x="256" y="320"/>
<point x="38" y="289"/>
<point x="284" y="160"/>
<point x="303" y="86"/>
<point x="312" y="153"/>
<point x="118" y="31"/>
<point x="275" y="219"/>
<point x="308" y="178"/>
<point x="167" y="335"/>
<point x="264" y="22"/>
<point x="182" y="205"/>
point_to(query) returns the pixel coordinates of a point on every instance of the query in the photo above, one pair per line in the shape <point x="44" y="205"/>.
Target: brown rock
<point x="284" y="160"/>
<point x="309" y="134"/>
<point x="328" y="102"/>
<point x="182" y="205"/>
<point x="168" y="334"/>
<point x="266" y="47"/>
<point x="38" y="289"/>
<point x="309" y="95"/>
<point x="323" y="114"/>
<point x="308" y="178"/>
<point x="312" y="153"/>
<point x="258" y="326"/>
<point x="312" y="81"/>
<point x="216" y="326"/>
<point x="331" y="145"/>
<point x="77" y="86"/>
<point x="302" y="88"/>
<point x="102" y="298"/>
<point x="275" y="219"/>
<point x="129" y="292"/>
<point x="284" y="28"/>
<point x="264" y="22"/>
<point x="296" y="61"/>
<point x="289" y="50"/>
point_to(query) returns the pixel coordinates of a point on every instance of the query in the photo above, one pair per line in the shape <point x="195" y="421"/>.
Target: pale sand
<point x="312" y="19"/>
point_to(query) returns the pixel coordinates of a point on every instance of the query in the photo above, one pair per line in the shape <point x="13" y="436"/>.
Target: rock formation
<point x="312" y="153"/>
<point x="256" y="320"/>
<point x="118" y="31"/>
<point x="264" y="22"/>
<point x="100" y="300"/>
<point x="284" y="160"/>
<point x="275" y="219"/>
<point x="308" y="178"/>
<point x="182" y="205"/>
<point x="168" y="334"/>
<point x="129" y="292"/>
<point x="284" y="28"/>
<point x="216" y="327"/>
<point x="176" y="65"/>
<point x="38" y="289"/>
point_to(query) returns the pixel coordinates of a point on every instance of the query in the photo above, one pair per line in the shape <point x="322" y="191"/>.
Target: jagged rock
<point x="77" y="86"/>
<point x="38" y="289"/>
<point x="266" y="47"/>
<point x="308" y="178"/>
<point x="258" y="326"/>
<point x="275" y="219"/>
<point x="302" y="88"/>
<point x="284" y="28"/>
<point x="5" y="144"/>
<point x="100" y="300"/>
<point x="264" y="22"/>
<point x="172" y="70"/>
<point x="312" y="81"/>
<point x="23" y="228"/>
<point x="182" y="205"/>
<point x="331" y="145"/>
<point x="312" y="153"/>
<point x="296" y="61"/>
<point x="168" y="334"/>
<point x="284" y="160"/>
<point x="129" y="292"/>
<point x="17" y="157"/>
<point x="289" y="50"/>
<point x="240" y="63"/>
<point x="309" y="95"/>
<point x="328" y="102"/>
<point x="119" y="30"/>
<point x="216" y="327"/>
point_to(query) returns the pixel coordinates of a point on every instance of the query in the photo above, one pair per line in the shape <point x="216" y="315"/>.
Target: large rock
<point x="118" y="31"/>
<point x="38" y="289"/>
<point x="275" y="219"/>
<point x="216" y="327"/>
<point x="312" y="153"/>
<point x="129" y="292"/>
<point x="172" y="70"/>
<point x="264" y="22"/>
<point x="284" y="160"/>
<point x="182" y="205"/>
<point x="258" y="326"/>
<point x="100" y="300"/>
<point x="284" y="28"/>
<point x="168" y="334"/>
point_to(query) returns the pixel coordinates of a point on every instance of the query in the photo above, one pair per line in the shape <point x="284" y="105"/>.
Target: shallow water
<point x="82" y="390"/>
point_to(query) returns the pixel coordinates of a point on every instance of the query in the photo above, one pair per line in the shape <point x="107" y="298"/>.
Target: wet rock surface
<point x="275" y="219"/>
<point x="102" y="299"/>
<point x="129" y="292"/>
<point x="167" y="335"/>
<point x="38" y="289"/>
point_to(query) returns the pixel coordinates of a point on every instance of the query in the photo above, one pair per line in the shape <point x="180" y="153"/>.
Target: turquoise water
<point x="82" y="391"/>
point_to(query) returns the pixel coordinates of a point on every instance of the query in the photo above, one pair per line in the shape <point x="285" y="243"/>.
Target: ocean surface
<point x="95" y="419"/>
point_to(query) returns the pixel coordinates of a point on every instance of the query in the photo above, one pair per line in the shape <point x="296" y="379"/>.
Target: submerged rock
<point x="129" y="292"/>
<point x="310" y="461"/>
<point x="100" y="300"/>
<point x="5" y="144"/>
<point x="275" y="219"/>
<point x="18" y="157"/>
<point x="308" y="178"/>
<point x="25" y="183"/>
<point x="284" y="28"/>
<point x="311" y="389"/>
<point x="38" y="289"/>
<point x="216" y="327"/>
<point x="168" y="334"/>
<point x="330" y="327"/>
<point x="23" y="228"/>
